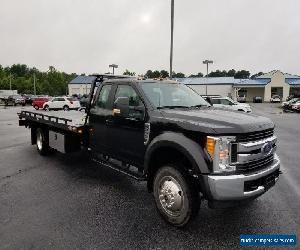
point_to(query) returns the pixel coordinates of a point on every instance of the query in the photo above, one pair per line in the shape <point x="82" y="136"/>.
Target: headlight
<point x="219" y="150"/>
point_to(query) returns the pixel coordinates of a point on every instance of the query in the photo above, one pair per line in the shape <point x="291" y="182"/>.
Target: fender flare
<point x="193" y="151"/>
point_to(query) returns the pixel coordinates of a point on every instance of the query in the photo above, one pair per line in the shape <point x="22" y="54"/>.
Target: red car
<point x="39" y="102"/>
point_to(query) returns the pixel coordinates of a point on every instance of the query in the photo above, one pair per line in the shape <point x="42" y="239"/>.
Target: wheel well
<point x="163" y="156"/>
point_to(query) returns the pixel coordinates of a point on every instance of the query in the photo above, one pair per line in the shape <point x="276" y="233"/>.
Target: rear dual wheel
<point x="42" y="141"/>
<point x="175" y="194"/>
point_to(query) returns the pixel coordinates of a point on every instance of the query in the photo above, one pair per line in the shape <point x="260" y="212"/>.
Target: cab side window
<point x="136" y="106"/>
<point x="103" y="101"/>
<point x="128" y="91"/>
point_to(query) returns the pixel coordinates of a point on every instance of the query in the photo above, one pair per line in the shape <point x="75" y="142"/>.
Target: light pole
<point x="113" y="66"/>
<point x="207" y="62"/>
<point x="172" y="29"/>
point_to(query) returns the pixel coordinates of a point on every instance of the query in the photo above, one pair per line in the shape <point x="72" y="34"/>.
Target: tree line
<point x="240" y="74"/>
<point x="21" y="77"/>
<point x="54" y="82"/>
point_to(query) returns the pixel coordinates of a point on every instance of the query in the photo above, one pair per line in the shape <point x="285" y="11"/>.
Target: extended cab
<point x="164" y="133"/>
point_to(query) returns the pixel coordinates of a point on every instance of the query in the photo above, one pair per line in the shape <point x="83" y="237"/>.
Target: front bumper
<point x="234" y="187"/>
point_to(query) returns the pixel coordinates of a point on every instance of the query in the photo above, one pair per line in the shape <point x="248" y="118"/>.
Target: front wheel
<point x="47" y="108"/>
<point x="176" y="196"/>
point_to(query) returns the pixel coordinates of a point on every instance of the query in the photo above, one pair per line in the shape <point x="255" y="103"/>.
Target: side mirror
<point x="121" y="107"/>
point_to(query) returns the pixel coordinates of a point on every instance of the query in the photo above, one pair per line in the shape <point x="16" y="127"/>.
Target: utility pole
<point x="113" y="66"/>
<point x="207" y="62"/>
<point x="34" y="87"/>
<point x="172" y="31"/>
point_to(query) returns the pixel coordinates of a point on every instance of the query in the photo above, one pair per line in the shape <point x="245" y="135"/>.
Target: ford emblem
<point x="267" y="148"/>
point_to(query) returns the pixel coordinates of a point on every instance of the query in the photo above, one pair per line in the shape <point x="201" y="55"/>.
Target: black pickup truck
<point x="163" y="133"/>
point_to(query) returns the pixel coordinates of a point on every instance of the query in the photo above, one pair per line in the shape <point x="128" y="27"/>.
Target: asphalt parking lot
<point x="62" y="202"/>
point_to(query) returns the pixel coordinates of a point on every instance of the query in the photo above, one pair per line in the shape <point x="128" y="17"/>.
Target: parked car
<point x="296" y="106"/>
<point x="257" y="99"/>
<point x="292" y="96"/>
<point x="275" y="98"/>
<point x="28" y="98"/>
<point x="241" y="99"/>
<point x="62" y="102"/>
<point x="16" y="100"/>
<point x="84" y="100"/>
<point x="38" y="102"/>
<point x="288" y="103"/>
<point x="228" y="103"/>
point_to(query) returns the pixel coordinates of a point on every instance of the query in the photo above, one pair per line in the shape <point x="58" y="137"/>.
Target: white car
<point x="275" y="98"/>
<point x="64" y="103"/>
<point x="228" y="103"/>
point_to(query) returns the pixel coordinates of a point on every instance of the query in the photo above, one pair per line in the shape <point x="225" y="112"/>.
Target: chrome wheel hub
<point x="171" y="196"/>
<point x="39" y="141"/>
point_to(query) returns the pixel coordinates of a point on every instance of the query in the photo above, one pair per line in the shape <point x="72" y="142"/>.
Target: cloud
<point x="86" y="36"/>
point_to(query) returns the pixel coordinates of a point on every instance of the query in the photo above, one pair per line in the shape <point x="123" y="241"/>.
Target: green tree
<point x="197" y="75"/>
<point x="164" y="73"/>
<point x="178" y="75"/>
<point x="256" y="75"/>
<point x="231" y="73"/>
<point x="155" y="74"/>
<point x="218" y="73"/>
<point x="149" y="74"/>
<point x="242" y="74"/>
<point x="129" y="73"/>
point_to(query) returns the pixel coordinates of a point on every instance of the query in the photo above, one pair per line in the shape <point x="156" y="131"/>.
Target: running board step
<point x="134" y="175"/>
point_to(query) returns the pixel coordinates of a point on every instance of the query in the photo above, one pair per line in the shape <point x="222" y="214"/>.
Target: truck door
<point x="100" y="111"/>
<point x="126" y="134"/>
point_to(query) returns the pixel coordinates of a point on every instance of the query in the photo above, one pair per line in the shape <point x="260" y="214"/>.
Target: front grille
<point x="255" y="165"/>
<point x="255" y="136"/>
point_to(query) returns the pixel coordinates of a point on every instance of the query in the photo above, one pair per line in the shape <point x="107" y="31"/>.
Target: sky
<point x="85" y="36"/>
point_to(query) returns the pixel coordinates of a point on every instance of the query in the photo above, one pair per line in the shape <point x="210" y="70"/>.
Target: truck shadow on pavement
<point x="132" y="210"/>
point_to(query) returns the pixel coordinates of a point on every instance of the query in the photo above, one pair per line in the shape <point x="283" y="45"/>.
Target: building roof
<point x="271" y="73"/>
<point x="83" y="80"/>
<point x="253" y="82"/>
<point x="293" y="81"/>
<point x="208" y="80"/>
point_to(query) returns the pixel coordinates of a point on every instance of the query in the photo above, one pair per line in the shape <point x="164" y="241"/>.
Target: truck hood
<point x="216" y="121"/>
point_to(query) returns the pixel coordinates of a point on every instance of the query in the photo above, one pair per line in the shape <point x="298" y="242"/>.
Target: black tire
<point x="36" y="107"/>
<point x="175" y="194"/>
<point x="47" y="108"/>
<point x="42" y="141"/>
<point x="66" y="108"/>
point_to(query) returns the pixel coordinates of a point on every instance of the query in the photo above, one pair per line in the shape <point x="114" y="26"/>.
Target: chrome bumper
<point x="231" y="187"/>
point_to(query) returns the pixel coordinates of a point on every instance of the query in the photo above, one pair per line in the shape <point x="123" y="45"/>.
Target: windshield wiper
<point x="172" y="107"/>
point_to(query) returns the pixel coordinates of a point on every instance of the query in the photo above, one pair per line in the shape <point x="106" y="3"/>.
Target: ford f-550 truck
<point x="163" y="133"/>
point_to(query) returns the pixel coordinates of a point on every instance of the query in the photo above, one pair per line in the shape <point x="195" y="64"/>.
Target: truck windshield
<point x="172" y="95"/>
